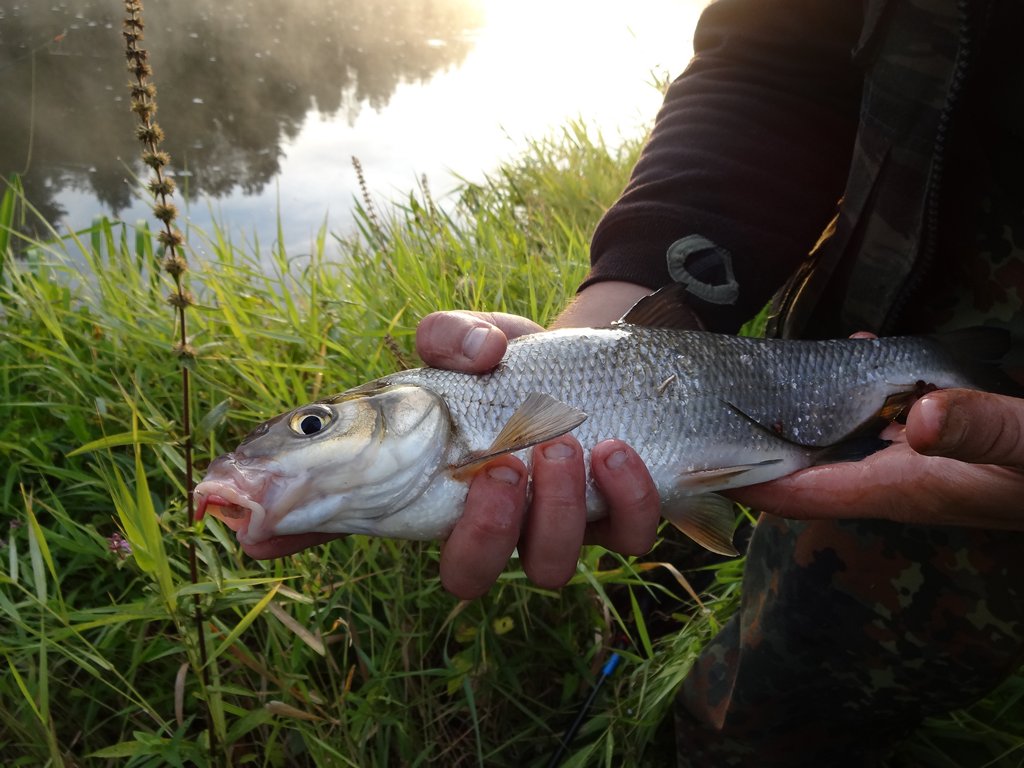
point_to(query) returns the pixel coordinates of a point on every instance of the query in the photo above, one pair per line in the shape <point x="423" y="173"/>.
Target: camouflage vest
<point x="868" y="260"/>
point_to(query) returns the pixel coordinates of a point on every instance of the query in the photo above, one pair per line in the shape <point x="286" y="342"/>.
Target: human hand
<point x="497" y="518"/>
<point x="958" y="461"/>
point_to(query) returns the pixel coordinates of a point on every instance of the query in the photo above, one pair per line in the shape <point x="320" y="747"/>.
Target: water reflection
<point x="236" y="81"/>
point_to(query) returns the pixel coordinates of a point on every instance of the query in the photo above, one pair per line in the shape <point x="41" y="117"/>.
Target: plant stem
<point x="175" y="264"/>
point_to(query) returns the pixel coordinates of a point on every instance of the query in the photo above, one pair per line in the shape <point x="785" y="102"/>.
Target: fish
<point x="707" y="412"/>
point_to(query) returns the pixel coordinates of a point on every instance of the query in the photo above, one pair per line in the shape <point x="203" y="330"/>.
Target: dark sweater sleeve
<point x="750" y="150"/>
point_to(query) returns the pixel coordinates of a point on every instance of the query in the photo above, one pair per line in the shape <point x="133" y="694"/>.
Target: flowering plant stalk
<point x="173" y="262"/>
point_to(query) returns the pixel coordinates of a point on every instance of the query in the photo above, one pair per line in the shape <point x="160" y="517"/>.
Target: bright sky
<point x="535" y="64"/>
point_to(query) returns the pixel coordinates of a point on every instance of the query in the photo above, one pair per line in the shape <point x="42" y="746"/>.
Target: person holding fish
<point x="879" y="591"/>
<point x="877" y="193"/>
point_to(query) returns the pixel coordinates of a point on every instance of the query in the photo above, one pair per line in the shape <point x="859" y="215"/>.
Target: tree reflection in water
<point x="236" y="79"/>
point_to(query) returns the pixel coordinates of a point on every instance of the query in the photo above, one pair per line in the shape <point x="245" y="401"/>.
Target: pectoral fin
<point x="540" y="417"/>
<point x="708" y="519"/>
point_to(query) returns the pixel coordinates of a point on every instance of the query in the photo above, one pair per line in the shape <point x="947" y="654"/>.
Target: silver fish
<point x="706" y="412"/>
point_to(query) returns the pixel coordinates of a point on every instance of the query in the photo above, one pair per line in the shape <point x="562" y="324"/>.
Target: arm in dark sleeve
<point x="750" y="150"/>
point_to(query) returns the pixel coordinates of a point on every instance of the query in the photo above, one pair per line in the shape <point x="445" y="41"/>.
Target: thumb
<point x="460" y="341"/>
<point x="976" y="427"/>
<point x="472" y="342"/>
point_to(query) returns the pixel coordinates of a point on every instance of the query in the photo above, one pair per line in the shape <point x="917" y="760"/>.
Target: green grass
<point x="349" y="654"/>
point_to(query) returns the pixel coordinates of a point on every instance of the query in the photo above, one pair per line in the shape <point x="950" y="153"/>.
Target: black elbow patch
<point x="705" y="269"/>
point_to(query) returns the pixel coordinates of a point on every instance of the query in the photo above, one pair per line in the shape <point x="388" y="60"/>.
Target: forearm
<point x="750" y="150"/>
<point x="601" y="304"/>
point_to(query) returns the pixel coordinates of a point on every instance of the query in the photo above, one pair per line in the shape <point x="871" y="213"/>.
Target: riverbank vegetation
<point x="350" y="654"/>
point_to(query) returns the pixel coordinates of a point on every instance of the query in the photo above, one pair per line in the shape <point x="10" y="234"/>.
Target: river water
<point x="265" y="102"/>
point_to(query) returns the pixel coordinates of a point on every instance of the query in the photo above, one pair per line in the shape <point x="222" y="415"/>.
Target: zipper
<point x="930" y="228"/>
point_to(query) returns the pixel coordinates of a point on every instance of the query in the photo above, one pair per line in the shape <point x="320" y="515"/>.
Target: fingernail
<point x="558" y="451"/>
<point x="931" y="413"/>
<point x="474" y="342"/>
<point x="615" y="460"/>
<point x="504" y="474"/>
<point x="952" y="426"/>
<point x="939" y="418"/>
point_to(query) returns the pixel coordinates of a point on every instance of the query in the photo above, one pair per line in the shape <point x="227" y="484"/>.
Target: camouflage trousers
<point x="849" y="633"/>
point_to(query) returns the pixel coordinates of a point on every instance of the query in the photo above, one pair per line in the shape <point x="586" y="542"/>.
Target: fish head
<point x="334" y="466"/>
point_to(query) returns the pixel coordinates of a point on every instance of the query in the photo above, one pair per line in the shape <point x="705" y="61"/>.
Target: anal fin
<point x="719" y="478"/>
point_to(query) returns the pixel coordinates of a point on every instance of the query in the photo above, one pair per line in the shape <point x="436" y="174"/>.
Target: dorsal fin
<point x="664" y="308"/>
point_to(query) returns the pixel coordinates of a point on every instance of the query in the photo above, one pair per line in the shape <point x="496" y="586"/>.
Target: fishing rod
<point x="581" y="717"/>
<point x="642" y="607"/>
<point x="646" y="603"/>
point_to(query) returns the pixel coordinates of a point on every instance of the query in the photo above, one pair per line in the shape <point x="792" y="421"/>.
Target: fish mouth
<point x="234" y="491"/>
<point x="246" y="518"/>
<point x="236" y="510"/>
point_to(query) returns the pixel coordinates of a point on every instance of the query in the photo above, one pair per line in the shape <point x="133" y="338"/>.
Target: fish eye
<point x="311" y="424"/>
<point x="310" y="421"/>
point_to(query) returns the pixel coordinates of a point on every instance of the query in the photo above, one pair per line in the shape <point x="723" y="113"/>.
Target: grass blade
<point x="244" y="623"/>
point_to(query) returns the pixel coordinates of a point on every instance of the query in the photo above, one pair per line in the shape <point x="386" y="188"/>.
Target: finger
<point x="513" y="326"/>
<point x="966" y="425"/>
<point x="896" y="484"/>
<point x="633" y="502"/>
<point x="551" y="541"/>
<point x="460" y="341"/>
<point x="856" y="489"/>
<point x="482" y="541"/>
<point x="473" y="342"/>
